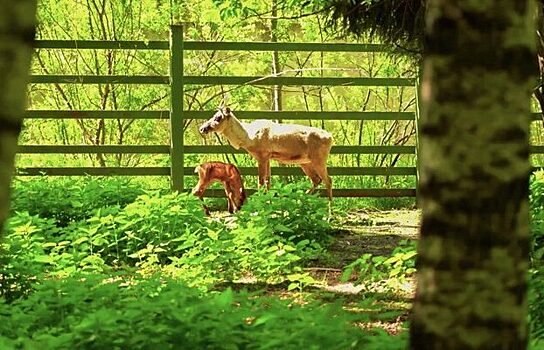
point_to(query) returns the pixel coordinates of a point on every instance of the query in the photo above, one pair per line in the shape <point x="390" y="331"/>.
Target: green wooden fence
<point x="177" y="149"/>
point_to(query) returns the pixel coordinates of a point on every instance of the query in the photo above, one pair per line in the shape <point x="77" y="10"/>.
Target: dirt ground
<point x="360" y="232"/>
<point x="377" y="233"/>
<point x="374" y="232"/>
<point x="356" y="233"/>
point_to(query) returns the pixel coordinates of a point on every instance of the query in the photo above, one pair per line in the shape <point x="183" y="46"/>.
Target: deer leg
<point x="267" y="173"/>
<point x="310" y="172"/>
<point x="236" y="194"/>
<point x="264" y="173"/>
<point x="231" y="205"/>
<point x="322" y="172"/>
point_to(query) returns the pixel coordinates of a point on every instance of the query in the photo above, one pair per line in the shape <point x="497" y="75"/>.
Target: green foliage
<point x="94" y="312"/>
<point x="71" y="199"/>
<point x="164" y="232"/>
<point x="536" y="281"/>
<point x="153" y="226"/>
<point x="387" y="270"/>
<point x="289" y="211"/>
<point x="395" y="22"/>
<point x="22" y="254"/>
<point x="88" y="282"/>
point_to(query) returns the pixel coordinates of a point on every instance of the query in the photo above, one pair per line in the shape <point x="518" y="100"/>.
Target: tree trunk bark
<point x="17" y="29"/>
<point x="479" y="70"/>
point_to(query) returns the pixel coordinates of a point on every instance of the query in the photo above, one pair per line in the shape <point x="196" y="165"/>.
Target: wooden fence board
<point x="210" y="149"/>
<point x="219" y="80"/>
<point x="99" y="79"/>
<point x="92" y="149"/>
<point x="96" y="171"/>
<point x="284" y="115"/>
<point x="96" y="114"/>
<point x="209" y="46"/>
<point x="188" y="171"/>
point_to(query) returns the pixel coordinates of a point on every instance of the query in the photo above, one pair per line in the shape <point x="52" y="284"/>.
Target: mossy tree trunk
<point x="479" y="70"/>
<point x="17" y="28"/>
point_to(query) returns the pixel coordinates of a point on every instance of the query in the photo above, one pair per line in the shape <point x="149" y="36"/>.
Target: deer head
<point x="217" y="122"/>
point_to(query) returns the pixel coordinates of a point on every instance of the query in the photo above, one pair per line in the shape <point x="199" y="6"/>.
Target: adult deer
<point x="306" y="146"/>
<point x="228" y="175"/>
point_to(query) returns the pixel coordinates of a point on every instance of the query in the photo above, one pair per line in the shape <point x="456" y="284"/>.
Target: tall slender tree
<point x="17" y="28"/>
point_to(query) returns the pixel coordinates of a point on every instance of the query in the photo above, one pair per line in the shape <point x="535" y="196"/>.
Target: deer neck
<point x="237" y="134"/>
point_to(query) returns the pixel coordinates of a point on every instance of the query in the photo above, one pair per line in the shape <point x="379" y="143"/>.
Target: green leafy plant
<point x="71" y="199"/>
<point x="98" y="312"/>
<point x="290" y="212"/>
<point x="170" y="232"/>
<point x="398" y="266"/>
<point x="536" y="273"/>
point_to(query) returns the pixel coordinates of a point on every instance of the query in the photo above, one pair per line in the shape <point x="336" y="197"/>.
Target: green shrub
<point x="94" y="313"/>
<point x="289" y="211"/>
<point x="536" y="280"/>
<point x="153" y="224"/>
<point x="71" y="199"/>
<point x="395" y="268"/>
<point x="171" y="233"/>
<point x="20" y="254"/>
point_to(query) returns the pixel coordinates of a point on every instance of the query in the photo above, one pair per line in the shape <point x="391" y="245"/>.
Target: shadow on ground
<point x="370" y="232"/>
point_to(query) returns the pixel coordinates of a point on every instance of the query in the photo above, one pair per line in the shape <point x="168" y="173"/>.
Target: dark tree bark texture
<point x="17" y="28"/>
<point x="479" y="71"/>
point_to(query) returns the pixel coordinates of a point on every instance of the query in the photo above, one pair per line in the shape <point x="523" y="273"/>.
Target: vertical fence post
<point x="176" y="107"/>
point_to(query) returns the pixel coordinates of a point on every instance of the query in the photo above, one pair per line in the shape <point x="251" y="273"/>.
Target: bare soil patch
<point x="378" y="233"/>
<point x="374" y="232"/>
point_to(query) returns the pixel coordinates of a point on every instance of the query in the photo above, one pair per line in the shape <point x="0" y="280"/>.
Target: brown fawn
<point x="228" y="175"/>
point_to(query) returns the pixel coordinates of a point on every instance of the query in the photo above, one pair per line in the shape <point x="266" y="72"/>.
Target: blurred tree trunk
<point x="17" y="29"/>
<point x="479" y="71"/>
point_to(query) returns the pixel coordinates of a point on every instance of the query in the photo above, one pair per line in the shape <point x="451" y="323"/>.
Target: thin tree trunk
<point x="276" y="68"/>
<point x="474" y="163"/>
<point x="17" y="29"/>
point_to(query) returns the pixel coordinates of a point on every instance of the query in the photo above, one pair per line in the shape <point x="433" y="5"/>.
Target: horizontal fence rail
<point x="152" y="171"/>
<point x="164" y="114"/>
<point x="210" y="46"/>
<point x="164" y="149"/>
<point x="220" y="80"/>
<point x="118" y="114"/>
<point x="189" y="171"/>
<point x="284" y="115"/>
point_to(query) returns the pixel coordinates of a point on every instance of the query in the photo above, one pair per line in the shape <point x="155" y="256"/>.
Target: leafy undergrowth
<point x="79" y="270"/>
<point x="83" y="268"/>
<point x="536" y="278"/>
<point x="94" y="313"/>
